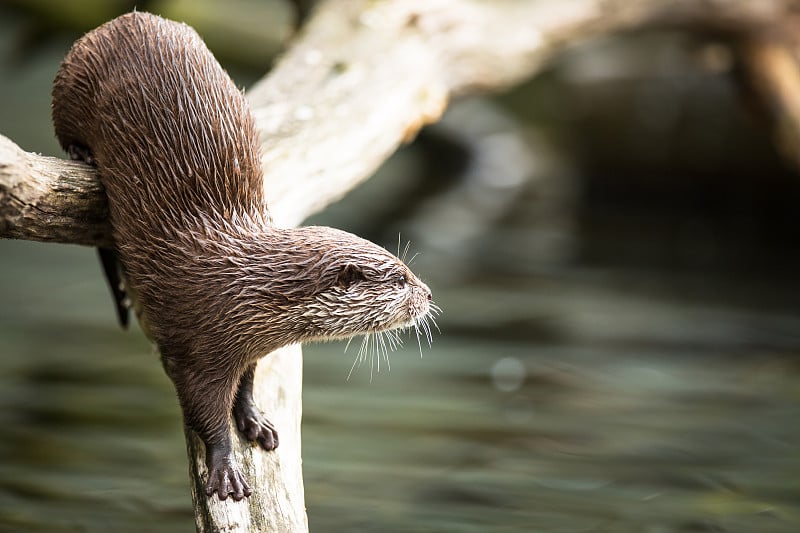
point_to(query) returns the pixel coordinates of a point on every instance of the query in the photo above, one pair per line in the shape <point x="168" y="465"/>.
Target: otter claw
<point x="255" y="427"/>
<point x="226" y="480"/>
<point x="81" y="153"/>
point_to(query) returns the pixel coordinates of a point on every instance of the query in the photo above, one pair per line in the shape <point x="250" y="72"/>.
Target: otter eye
<point x="401" y="281"/>
<point x="349" y="275"/>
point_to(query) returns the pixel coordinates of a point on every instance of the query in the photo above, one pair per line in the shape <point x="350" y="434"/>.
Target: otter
<point x="216" y="284"/>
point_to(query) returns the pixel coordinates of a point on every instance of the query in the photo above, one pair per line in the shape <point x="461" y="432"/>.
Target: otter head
<point x="331" y="284"/>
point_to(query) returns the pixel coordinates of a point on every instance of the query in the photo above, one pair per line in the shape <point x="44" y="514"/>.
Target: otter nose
<point x="429" y="295"/>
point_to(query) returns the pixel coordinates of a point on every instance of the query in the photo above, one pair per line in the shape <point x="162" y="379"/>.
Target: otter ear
<point x="349" y="274"/>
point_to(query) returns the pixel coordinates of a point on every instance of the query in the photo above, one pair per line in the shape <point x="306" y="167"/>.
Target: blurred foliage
<point x="78" y="15"/>
<point x="245" y="34"/>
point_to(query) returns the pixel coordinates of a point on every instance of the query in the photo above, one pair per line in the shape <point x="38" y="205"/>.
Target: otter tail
<point x="113" y="271"/>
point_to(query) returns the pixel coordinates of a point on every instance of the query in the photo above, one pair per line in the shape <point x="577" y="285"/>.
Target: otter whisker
<point x="378" y="351"/>
<point x="422" y="326"/>
<point x="366" y="354"/>
<point x="376" y="346"/>
<point x="433" y="319"/>
<point x="393" y="337"/>
<point x="384" y="351"/>
<point x="346" y="346"/>
<point x="405" y="251"/>
<point x="375" y="355"/>
<point x="434" y="311"/>
<point x="355" y="361"/>
<point x="419" y="342"/>
<point x="359" y="356"/>
<point x="372" y="356"/>
<point x="427" y="329"/>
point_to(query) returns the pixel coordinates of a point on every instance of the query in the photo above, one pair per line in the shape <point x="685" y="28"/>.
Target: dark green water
<point x="635" y="411"/>
<point x="642" y="376"/>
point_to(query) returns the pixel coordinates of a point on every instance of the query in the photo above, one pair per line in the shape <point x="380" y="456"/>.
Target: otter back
<point x="165" y="124"/>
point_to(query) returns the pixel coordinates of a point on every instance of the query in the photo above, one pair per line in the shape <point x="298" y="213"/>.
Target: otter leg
<point x="207" y="404"/>
<point x="248" y="417"/>
<point x="224" y="476"/>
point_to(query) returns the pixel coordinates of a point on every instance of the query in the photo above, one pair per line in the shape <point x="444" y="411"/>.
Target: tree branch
<point x="770" y="61"/>
<point x="49" y="199"/>
<point x="362" y="78"/>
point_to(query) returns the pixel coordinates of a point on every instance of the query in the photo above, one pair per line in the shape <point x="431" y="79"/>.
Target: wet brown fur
<point x="217" y="284"/>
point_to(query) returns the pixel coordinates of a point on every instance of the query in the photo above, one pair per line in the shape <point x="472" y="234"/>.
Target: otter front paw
<point x="225" y="479"/>
<point x="254" y="426"/>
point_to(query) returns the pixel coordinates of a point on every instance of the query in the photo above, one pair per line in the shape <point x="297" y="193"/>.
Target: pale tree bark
<point x="361" y="78"/>
<point x="770" y="60"/>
